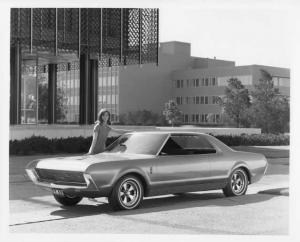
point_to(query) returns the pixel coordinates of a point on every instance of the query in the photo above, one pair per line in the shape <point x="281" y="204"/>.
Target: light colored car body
<point x="96" y="175"/>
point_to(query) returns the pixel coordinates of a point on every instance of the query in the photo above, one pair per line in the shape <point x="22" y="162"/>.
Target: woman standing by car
<point x="101" y="131"/>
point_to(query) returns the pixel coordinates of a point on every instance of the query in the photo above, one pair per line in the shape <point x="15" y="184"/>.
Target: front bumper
<point x="89" y="186"/>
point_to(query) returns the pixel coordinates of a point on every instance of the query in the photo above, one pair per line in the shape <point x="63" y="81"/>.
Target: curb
<point x="276" y="191"/>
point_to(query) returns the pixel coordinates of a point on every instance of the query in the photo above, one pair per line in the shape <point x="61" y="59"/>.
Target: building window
<point x="206" y="100"/>
<point x="193" y="118"/>
<point x="178" y="84"/>
<point x="67" y="93"/>
<point x="202" y="118"/>
<point x="34" y="94"/>
<point x="213" y="81"/>
<point x="197" y="100"/>
<point x="187" y="100"/>
<point x="218" y="118"/>
<point x="108" y="90"/>
<point x="197" y="118"/>
<point x="205" y="118"/>
<point x="181" y="83"/>
<point x="187" y="83"/>
<point x="179" y="100"/>
<point x="197" y="82"/>
<point x="186" y="118"/>
<point x="206" y="82"/>
<point x="202" y="81"/>
<point x="202" y="100"/>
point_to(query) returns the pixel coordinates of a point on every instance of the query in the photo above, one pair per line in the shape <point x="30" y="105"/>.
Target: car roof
<point x="167" y="132"/>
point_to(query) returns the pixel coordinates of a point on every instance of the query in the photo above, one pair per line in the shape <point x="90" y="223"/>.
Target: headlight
<point x="31" y="175"/>
<point x="87" y="178"/>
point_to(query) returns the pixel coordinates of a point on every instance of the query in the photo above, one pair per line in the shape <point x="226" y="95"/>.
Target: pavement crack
<point x="35" y="222"/>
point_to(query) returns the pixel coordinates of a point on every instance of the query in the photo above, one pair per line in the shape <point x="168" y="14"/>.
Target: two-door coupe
<point x="141" y="164"/>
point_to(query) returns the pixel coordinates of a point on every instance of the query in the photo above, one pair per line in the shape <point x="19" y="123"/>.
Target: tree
<point x="60" y="110"/>
<point x="171" y="112"/>
<point x="270" y="109"/>
<point x="236" y="102"/>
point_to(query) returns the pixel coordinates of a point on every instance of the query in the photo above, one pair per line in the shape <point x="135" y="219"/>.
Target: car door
<point x="179" y="165"/>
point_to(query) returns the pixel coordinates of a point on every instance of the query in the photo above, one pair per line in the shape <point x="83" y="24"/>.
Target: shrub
<point x="42" y="145"/>
<point x="254" y="139"/>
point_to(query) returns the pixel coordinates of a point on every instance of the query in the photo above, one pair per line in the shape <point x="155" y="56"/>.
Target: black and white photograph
<point x="155" y="121"/>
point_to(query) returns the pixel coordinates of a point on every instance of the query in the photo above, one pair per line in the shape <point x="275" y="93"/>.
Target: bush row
<point x="255" y="139"/>
<point x="42" y="145"/>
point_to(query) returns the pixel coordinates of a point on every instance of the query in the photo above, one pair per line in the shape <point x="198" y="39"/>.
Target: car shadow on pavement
<point x="160" y="204"/>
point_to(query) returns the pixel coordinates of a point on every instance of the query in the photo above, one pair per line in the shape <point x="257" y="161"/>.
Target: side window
<point x="187" y="145"/>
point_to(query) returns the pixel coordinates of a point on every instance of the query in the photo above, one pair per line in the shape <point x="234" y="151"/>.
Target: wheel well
<point x="142" y="179"/>
<point x="247" y="172"/>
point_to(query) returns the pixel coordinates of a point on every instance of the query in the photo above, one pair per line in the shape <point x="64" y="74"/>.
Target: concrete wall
<point x="210" y="63"/>
<point x="19" y="132"/>
<point x="150" y="86"/>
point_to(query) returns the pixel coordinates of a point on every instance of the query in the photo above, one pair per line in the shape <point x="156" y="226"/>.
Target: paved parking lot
<point x="264" y="210"/>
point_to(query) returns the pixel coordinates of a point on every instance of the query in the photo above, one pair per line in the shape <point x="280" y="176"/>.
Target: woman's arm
<point x="118" y="132"/>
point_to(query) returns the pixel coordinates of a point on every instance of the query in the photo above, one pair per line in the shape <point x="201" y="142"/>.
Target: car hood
<point x="80" y="163"/>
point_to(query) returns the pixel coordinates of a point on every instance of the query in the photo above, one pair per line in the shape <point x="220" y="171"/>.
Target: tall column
<point x="83" y="97"/>
<point x="93" y="90"/>
<point x="15" y="84"/>
<point x="88" y="90"/>
<point x="52" y="74"/>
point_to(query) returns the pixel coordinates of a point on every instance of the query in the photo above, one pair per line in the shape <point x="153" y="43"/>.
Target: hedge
<point x="255" y="139"/>
<point x="43" y="145"/>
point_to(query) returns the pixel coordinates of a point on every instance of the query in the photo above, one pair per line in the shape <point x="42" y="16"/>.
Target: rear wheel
<point x="64" y="199"/>
<point x="127" y="194"/>
<point x="237" y="183"/>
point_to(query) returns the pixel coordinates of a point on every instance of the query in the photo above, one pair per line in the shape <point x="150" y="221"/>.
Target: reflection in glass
<point x="34" y="94"/>
<point x="108" y="94"/>
<point x="67" y="93"/>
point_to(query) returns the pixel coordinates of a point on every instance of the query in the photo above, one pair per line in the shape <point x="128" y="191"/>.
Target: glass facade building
<point x="65" y="61"/>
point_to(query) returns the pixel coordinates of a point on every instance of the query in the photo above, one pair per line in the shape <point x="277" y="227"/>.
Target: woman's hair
<point x="100" y="114"/>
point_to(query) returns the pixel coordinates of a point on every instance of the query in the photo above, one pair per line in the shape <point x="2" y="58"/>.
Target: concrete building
<point x="193" y="82"/>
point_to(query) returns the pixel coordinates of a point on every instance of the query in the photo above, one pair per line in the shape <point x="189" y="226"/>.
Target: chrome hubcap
<point x="129" y="193"/>
<point x="237" y="182"/>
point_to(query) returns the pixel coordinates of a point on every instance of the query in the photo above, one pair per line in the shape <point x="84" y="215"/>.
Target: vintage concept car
<point x="141" y="164"/>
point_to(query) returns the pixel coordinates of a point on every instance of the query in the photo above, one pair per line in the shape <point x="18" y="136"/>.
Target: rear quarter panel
<point x="256" y="164"/>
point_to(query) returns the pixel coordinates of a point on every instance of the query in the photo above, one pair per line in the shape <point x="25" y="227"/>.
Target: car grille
<point x="62" y="177"/>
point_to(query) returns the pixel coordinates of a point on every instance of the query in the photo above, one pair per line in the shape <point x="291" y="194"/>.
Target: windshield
<point x="139" y="143"/>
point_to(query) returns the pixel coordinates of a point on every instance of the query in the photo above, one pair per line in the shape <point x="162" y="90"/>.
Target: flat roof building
<point x="194" y="82"/>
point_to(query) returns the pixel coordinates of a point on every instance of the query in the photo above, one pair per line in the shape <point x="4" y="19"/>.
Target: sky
<point x="256" y="34"/>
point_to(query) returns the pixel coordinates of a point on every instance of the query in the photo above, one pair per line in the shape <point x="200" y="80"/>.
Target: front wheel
<point x="64" y="199"/>
<point x="127" y="194"/>
<point x="237" y="183"/>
